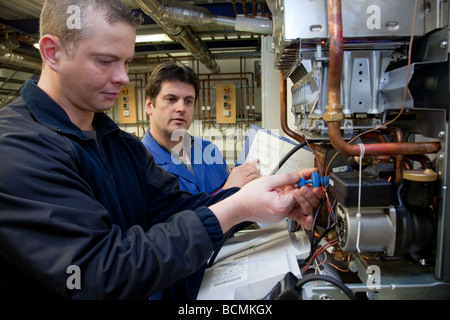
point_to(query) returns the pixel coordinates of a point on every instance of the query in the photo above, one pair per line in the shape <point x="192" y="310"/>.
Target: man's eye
<point x="105" y="62"/>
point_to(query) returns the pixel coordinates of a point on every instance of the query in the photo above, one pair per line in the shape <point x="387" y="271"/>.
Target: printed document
<point x="269" y="148"/>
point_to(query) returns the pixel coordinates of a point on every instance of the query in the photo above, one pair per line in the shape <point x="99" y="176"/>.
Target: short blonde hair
<point x="56" y="14"/>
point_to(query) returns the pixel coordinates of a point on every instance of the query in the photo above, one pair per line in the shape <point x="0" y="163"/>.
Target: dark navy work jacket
<point x="102" y="205"/>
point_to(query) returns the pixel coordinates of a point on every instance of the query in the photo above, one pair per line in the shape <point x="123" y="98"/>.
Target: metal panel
<point x="303" y="23"/>
<point x="361" y="18"/>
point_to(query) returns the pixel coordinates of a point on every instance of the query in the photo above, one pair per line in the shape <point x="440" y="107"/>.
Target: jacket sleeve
<point x="50" y="220"/>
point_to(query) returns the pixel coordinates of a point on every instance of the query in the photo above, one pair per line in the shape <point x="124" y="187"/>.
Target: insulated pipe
<point x="334" y="115"/>
<point x="183" y="35"/>
<point x="20" y="61"/>
<point x="185" y="14"/>
<point x="253" y="24"/>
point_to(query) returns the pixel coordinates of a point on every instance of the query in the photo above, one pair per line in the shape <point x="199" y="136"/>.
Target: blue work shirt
<point x="210" y="170"/>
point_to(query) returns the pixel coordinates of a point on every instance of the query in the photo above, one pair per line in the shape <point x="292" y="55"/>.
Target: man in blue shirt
<point x="172" y="90"/>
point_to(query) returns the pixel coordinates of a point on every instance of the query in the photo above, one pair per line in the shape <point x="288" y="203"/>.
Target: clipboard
<point x="269" y="148"/>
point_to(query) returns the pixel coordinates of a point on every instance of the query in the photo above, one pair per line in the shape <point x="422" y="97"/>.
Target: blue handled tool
<point x="315" y="181"/>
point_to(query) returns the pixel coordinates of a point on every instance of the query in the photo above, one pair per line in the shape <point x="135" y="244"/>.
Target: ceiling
<point x="19" y="30"/>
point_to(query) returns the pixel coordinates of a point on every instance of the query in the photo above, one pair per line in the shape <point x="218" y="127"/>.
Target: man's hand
<point x="241" y="175"/>
<point x="270" y="199"/>
<point x="308" y="199"/>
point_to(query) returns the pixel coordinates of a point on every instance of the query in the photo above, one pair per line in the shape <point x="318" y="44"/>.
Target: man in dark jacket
<point x="84" y="211"/>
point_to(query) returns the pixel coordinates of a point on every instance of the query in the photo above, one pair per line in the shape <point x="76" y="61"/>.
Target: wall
<point x="230" y="136"/>
<point x="260" y="88"/>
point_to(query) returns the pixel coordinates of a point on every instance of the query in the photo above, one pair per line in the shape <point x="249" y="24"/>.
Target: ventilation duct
<point x="185" y="14"/>
<point x="182" y="34"/>
<point x="17" y="60"/>
<point x="8" y="44"/>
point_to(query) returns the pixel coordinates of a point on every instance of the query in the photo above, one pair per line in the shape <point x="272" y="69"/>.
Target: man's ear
<point x="50" y="49"/>
<point x="148" y="106"/>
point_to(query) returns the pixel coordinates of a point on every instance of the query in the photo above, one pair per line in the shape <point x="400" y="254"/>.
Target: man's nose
<point x="180" y="106"/>
<point x="120" y="75"/>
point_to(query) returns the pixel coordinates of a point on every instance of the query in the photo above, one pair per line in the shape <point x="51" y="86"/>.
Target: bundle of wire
<point x="317" y="253"/>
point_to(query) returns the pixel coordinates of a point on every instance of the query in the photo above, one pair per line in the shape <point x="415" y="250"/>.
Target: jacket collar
<point x="161" y="158"/>
<point x="153" y="144"/>
<point x="50" y="114"/>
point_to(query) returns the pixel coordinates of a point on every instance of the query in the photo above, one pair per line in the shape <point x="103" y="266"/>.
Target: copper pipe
<point x="374" y="135"/>
<point x="209" y="88"/>
<point x="248" y="117"/>
<point x="399" y="158"/>
<point x="234" y="7"/>
<point x="209" y="105"/>
<point x="201" y="99"/>
<point x="334" y="114"/>
<point x="253" y="116"/>
<point x="242" y="98"/>
<point x="244" y="7"/>
<point x="336" y="53"/>
<point x="209" y="118"/>
<point x="254" y="8"/>
<point x="283" y="111"/>
<point x="334" y="132"/>
<point x="202" y="115"/>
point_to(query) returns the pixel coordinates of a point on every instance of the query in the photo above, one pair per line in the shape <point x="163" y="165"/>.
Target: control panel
<point x="226" y="103"/>
<point x="126" y="105"/>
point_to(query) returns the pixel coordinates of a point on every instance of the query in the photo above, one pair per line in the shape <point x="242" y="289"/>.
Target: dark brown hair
<point x="171" y="72"/>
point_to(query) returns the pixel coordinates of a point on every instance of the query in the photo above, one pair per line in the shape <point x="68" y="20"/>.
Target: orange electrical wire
<point x="318" y="251"/>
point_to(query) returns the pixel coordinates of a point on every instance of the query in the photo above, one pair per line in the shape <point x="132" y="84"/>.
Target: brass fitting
<point x="333" y="113"/>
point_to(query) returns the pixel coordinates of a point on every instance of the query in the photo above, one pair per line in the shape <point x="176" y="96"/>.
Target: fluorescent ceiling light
<point x="160" y="37"/>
